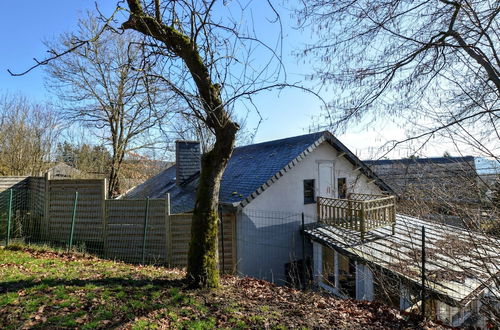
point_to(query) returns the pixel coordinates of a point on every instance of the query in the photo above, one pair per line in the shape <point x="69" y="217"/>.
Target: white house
<point x="267" y="187"/>
<point x="308" y="203"/>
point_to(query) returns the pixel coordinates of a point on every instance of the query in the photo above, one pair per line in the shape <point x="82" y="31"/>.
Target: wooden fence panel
<point x="37" y="225"/>
<point x="89" y="213"/>
<point x="125" y="221"/>
<point x="113" y="228"/>
<point x="180" y="225"/>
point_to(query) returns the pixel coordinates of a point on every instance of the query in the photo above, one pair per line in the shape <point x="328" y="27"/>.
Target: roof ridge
<point x="283" y="139"/>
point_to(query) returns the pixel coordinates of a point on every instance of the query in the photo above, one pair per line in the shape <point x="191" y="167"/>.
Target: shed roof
<point x="459" y="263"/>
<point x="250" y="170"/>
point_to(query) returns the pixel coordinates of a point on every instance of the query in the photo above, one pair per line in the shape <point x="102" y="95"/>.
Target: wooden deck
<point x="359" y="212"/>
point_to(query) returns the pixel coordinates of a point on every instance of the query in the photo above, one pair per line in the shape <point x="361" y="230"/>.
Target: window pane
<point x="342" y="188"/>
<point x="308" y="191"/>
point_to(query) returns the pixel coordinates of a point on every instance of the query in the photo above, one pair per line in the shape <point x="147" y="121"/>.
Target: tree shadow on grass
<point x="138" y="297"/>
<point x="14" y="286"/>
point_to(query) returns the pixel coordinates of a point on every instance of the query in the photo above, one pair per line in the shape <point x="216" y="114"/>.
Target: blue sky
<point x="22" y="40"/>
<point x="25" y="24"/>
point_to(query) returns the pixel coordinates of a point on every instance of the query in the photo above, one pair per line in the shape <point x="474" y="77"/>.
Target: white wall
<point x="287" y="194"/>
<point x="364" y="282"/>
<point x="268" y="234"/>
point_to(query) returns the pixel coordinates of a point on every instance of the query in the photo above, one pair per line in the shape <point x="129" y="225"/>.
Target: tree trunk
<point x="114" y="180"/>
<point x="113" y="185"/>
<point x="203" y="259"/>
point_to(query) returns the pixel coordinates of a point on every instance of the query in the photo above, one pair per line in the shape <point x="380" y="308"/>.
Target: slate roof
<point x="430" y="160"/>
<point x="249" y="172"/>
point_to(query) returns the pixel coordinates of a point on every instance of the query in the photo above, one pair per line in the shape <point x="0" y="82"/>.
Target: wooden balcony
<point x="359" y="212"/>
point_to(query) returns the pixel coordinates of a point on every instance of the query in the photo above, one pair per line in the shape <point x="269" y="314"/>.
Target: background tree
<point x="28" y="132"/>
<point x="92" y="160"/>
<point x="432" y="67"/>
<point x="207" y="62"/>
<point x="102" y="85"/>
<point x="435" y="64"/>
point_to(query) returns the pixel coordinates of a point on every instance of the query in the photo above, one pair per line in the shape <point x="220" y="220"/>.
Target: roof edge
<point x="335" y="143"/>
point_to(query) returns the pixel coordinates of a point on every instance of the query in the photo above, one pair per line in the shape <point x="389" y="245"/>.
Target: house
<point x="63" y="171"/>
<point x="307" y="202"/>
<point x="461" y="180"/>
<point x="419" y="178"/>
<point x="453" y="190"/>
<point x="266" y="188"/>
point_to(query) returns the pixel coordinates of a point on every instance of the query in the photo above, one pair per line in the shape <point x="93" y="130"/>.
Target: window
<point x="342" y="188"/>
<point x="328" y="263"/>
<point x="308" y="191"/>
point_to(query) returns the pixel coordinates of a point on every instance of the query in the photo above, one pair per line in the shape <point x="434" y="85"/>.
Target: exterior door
<point x="326" y="179"/>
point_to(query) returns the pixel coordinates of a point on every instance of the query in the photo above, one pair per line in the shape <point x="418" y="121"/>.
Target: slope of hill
<point x="42" y="288"/>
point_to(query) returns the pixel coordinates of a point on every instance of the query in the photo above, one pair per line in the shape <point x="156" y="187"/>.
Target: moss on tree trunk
<point x="203" y="257"/>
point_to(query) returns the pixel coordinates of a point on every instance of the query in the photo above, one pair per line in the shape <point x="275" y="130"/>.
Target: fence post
<point x="168" y="230"/>
<point x="104" y="189"/>
<point x="46" y="208"/>
<point x="423" y="272"/>
<point x="303" y="284"/>
<point x="222" y="238"/>
<point x="73" y="219"/>
<point x="362" y="224"/>
<point x="9" y="218"/>
<point x="146" y="215"/>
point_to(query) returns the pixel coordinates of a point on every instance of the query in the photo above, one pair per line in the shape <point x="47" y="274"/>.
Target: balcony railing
<point x="360" y="212"/>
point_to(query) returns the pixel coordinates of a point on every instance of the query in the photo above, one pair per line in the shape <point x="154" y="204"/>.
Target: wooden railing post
<point x="362" y="215"/>
<point x="349" y="212"/>
<point x="318" y="202"/>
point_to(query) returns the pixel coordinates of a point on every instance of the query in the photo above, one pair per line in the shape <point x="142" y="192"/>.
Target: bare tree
<point x="28" y="133"/>
<point x="102" y="85"/>
<point x="435" y="64"/>
<point x="433" y="67"/>
<point x="209" y="54"/>
<point x="208" y="63"/>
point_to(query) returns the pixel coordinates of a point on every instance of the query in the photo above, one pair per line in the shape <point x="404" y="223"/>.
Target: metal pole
<point x="423" y="272"/>
<point x="9" y="218"/>
<point x="303" y="254"/>
<point x="145" y="231"/>
<point x="73" y="220"/>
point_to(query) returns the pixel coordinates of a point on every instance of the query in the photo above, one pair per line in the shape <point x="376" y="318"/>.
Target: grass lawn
<point x="43" y="288"/>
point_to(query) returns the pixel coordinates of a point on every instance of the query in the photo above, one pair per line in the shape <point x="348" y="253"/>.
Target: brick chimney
<point x="187" y="159"/>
